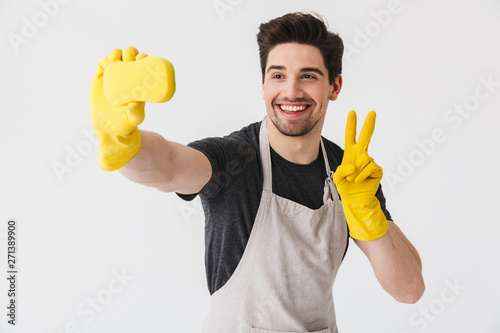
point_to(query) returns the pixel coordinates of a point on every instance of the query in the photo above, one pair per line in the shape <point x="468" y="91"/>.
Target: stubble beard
<point x="295" y="130"/>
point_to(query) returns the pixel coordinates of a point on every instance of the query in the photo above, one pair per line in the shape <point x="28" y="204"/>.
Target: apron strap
<point x="265" y="156"/>
<point x="330" y="190"/>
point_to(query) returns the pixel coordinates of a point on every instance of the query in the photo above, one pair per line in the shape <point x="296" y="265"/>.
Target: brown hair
<point x="303" y="28"/>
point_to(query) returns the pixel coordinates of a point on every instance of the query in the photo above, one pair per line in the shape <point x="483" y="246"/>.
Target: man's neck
<point x="296" y="149"/>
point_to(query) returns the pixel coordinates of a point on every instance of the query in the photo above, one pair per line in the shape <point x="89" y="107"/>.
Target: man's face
<point x="296" y="88"/>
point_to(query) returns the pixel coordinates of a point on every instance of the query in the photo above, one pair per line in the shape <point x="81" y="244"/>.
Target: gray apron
<point x="283" y="282"/>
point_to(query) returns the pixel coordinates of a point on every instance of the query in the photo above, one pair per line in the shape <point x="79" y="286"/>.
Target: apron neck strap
<point x="330" y="190"/>
<point x="265" y="156"/>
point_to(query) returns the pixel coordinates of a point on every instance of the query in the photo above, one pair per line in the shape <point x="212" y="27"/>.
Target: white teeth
<point x="294" y="108"/>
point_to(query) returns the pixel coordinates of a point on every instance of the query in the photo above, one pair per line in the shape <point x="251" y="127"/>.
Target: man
<point x="276" y="230"/>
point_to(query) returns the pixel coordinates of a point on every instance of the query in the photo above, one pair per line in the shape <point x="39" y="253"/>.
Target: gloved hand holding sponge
<point x="357" y="180"/>
<point x="121" y="85"/>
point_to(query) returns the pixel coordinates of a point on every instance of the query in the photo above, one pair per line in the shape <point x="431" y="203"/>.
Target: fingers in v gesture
<point x="366" y="132"/>
<point x="357" y="165"/>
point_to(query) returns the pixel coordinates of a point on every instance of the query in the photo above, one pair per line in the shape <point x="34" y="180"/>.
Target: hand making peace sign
<point x="357" y="180"/>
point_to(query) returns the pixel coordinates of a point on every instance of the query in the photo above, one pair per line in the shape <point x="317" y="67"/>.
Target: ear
<point x="263" y="93"/>
<point x="335" y="88"/>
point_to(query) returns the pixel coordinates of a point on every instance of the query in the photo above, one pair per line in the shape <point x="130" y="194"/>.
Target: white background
<point x="81" y="226"/>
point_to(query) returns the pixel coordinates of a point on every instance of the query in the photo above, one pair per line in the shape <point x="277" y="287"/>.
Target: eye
<point x="277" y="76"/>
<point x="309" y="76"/>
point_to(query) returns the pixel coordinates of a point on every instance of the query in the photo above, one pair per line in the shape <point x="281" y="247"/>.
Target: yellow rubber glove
<point x="115" y="120"/>
<point x="357" y="180"/>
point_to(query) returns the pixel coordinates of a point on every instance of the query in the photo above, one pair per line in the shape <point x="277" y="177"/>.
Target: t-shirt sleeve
<point x="381" y="199"/>
<point x="227" y="157"/>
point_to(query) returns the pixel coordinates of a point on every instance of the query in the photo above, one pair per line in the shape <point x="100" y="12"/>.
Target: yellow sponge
<point x="151" y="79"/>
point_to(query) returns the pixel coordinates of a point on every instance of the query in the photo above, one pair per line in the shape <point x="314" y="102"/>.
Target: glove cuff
<point x="366" y="222"/>
<point x="115" y="150"/>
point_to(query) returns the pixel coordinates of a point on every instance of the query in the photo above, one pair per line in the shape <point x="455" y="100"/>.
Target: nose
<point x="293" y="89"/>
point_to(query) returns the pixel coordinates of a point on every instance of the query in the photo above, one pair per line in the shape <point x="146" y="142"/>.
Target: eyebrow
<point x="305" y="69"/>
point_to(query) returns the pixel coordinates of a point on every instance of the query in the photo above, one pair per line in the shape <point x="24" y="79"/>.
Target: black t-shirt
<point x="231" y="198"/>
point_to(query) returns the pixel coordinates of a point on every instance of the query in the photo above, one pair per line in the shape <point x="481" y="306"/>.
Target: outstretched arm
<point x="122" y="83"/>
<point x="168" y="166"/>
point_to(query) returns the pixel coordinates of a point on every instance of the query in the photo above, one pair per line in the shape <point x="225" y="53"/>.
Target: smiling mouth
<point x="289" y="108"/>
